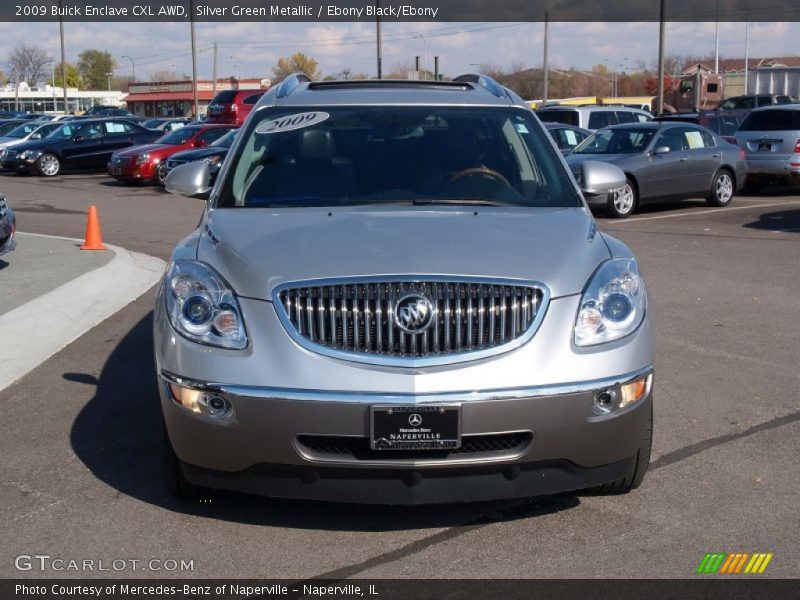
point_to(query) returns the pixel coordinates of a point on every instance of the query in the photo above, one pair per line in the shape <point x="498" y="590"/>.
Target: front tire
<point x="161" y="174"/>
<point x="722" y="189"/>
<point x="622" y="203"/>
<point x="48" y="165"/>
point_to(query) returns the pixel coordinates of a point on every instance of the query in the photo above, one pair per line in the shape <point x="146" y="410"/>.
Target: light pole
<point x="109" y="76"/>
<point x="241" y="66"/>
<point x="133" y="66"/>
<point x="424" y="54"/>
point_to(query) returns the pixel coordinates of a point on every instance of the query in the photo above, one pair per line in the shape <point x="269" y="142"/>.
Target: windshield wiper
<point x="460" y="202"/>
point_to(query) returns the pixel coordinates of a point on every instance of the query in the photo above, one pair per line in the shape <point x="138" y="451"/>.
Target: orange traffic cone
<point x="94" y="238"/>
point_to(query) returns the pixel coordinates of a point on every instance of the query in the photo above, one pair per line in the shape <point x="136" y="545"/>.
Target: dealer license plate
<point x="415" y="427"/>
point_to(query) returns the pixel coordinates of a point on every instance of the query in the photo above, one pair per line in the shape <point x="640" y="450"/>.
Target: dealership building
<point x="49" y="99"/>
<point x="176" y="98"/>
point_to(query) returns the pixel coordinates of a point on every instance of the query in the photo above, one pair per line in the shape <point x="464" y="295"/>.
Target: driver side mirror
<point x="661" y="150"/>
<point x="598" y="178"/>
<point x="36" y="136"/>
<point x="191" y="179"/>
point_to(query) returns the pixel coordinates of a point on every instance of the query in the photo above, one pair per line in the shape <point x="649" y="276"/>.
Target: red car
<point x="232" y="106"/>
<point x="148" y="162"/>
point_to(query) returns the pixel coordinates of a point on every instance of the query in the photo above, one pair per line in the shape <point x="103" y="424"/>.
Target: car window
<point x="252" y="99"/>
<point x="674" y="139"/>
<point x="599" y="119"/>
<point x="351" y="155"/>
<point x="93" y="131"/>
<point x="211" y="135"/>
<point x="772" y="120"/>
<point x="616" y="141"/>
<point x="225" y="141"/>
<point x="783" y="100"/>
<point x="764" y="100"/>
<point x="225" y="97"/>
<point x="567" y="139"/>
<point x="568" y="117"/>
<point x="118" y="128"/>
<point x="179" y="136"/>
<point x="624" y="116"/>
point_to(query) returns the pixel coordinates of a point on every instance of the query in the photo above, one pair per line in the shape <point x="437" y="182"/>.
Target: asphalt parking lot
<point x="80" y="472"/>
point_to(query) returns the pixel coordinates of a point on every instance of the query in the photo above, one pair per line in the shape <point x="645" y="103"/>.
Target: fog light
<point x="208" y="404"/>
<point x="604" y="401"/>
<point x="633" y="392"/>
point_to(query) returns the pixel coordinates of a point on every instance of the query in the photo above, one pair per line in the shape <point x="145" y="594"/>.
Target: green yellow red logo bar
<point x="732" y="564"/>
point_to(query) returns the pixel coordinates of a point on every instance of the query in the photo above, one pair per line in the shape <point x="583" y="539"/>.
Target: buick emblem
<point x="413" y="313"/>
<point x="415" y="420"/>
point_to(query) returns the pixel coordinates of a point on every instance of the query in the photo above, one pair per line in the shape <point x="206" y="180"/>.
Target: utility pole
<point x="214" y="73"/>
<point x="109" y="76"/>
<point x="545" y="66"/>
<point x="716" y="41"/>
<point x="378" y="39"/>
<point x="436" y="68"/>
<point x="194" y="65"/>
<point x="63" y="56"/>
<point x="746" y="44"/>
<point x="662" y="30"/>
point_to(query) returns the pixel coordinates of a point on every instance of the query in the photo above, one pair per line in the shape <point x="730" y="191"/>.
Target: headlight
<point x="142" y="158"/>
<point x="613" y="304"/>
<point x="24" y="154"/>
<point x="202" y="306"/>
<point x="3" y="153"/>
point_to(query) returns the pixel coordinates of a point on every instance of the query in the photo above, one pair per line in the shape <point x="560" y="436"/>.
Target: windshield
<point x="616" y="141"/>
<point x="153" y="123"/>
<point x="7" y="127"/>
<point x="343" y="156"/>
<point x="226" y="141"/>
<point x="22" y="130"/>
<point x="772" y="120"/>
<point x="179" y="136"/>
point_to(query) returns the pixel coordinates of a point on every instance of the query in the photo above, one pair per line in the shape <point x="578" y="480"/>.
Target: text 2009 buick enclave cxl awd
<point x="397" y="294"/>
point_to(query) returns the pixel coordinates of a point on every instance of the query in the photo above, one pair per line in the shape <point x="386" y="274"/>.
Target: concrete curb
<point x="33" y="332"/>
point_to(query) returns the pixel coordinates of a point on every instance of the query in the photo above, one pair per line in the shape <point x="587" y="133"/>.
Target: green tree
<point x="297" y="63"/>
<point x="73" y="77"/>
<point x="94" y="66"/>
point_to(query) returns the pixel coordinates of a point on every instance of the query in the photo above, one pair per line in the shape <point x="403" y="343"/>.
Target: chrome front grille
<point x="10" y="154"/>
<point x="120" y="161"/>
<point x="359" y="317"/>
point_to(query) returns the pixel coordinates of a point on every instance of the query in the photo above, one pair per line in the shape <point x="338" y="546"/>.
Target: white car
<point x="32" y="130"/>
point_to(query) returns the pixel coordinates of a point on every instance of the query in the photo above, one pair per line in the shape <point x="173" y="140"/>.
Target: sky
<point x="251" y="49"/>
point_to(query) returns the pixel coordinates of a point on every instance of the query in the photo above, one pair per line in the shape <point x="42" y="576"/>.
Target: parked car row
<point x="148" y="162"/>
<point x="711" y="154"/>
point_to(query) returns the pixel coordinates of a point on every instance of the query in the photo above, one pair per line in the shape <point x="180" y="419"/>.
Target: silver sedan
<point x="663" y="162"/>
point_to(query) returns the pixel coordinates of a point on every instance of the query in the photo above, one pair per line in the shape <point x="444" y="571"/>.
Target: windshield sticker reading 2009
<point x="290" y="122"/>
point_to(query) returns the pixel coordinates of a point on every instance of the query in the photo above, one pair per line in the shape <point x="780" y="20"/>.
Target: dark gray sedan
<point x="7" y="227"/>
<point x="663" y="161"/>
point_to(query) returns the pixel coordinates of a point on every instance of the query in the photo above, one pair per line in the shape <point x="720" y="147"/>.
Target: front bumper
<point x="314" y="444"/>
<point x="19" y="165"/>
<point x="283" y="395"/>
<point x="130" y="171"/>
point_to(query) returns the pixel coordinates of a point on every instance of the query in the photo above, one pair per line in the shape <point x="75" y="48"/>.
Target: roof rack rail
<point x="483" y="81"/>
<point x="288" y="85"/>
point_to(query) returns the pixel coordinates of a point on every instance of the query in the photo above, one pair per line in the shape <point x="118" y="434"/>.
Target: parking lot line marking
<point x="35" y="331"/>
<point x="705" y="212"/>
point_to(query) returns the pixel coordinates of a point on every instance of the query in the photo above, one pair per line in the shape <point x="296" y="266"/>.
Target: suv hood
<point x="256" y="249"/>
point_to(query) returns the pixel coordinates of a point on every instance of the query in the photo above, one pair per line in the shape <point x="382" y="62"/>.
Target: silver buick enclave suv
<point x="397" y="294"/>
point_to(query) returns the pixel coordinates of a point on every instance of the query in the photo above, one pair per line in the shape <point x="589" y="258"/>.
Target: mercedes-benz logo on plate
<point x="413" y="313"/>
<point x="415" y="420"/>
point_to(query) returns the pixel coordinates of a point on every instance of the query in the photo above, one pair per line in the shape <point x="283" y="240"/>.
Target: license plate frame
<point x="415" y="427"/>
<point x="116" y="171"/>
